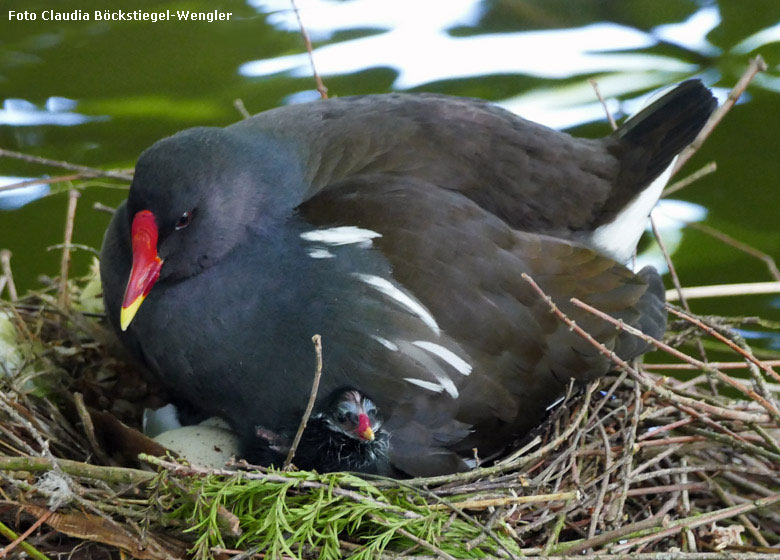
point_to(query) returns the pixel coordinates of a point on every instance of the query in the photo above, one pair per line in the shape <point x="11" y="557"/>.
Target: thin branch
<point x="31" y="551"/>
<point x="595" y="517"/>
<point x="71" y="246"/>
<point x="317" y="340"/>
<point x="552" y="539"/>
<point x="306" y="41"/>
<point x="676" y="399"/>
<point x="744" y="247"/>
<point x="43" y="181"/>
<point x="21" y="538"/>
<point x="676" y="353"/>
<point x="575" y="547"/>
<point x="509" y="500"/>
<point x="680" y="294"/>
<point x="73" y="196"/>
<point x="241" y="108"/>
<point x="88" y="171"/>
<point x="425" y="544"/>
<point x="718" y="365"/>
<point x="711" y="167"/>
<point x="699" y="520"/>
<point x="118" y="475"/>
<point x="89" y="427"/>
<point x="756" y="65"/>
<point x="100" y="207"/>
<point x="726" y="499"/>
<point x="611" y="120"/>
<point x="715" y="334"/>
<point x="5" y="263"/>
<point x="723" y="290"/>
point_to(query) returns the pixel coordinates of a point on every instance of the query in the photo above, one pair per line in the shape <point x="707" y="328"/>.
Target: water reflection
<point x="16" y="198"/>
<point x="670" y="218"/>
<point x="567" y="106"/>
<point x="762" y="339"/>
<point x="421" y="50"/>
<point x="692" y="33"/>
<point x="758" y="40"/>
<point x="57" y="111"/>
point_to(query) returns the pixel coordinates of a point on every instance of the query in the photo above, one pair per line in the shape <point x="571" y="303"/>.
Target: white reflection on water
<point x="415" y="42"/>
<point x="670" y="217"/>
<point x="16" y="198"/>
<point x="323" y="18"/>
<point x="57" y="111"/>
<point x="412" y="38"/>
<point x="692" y="33"/>
<point x="759" y="39"/>
<point x="563" y="107"/>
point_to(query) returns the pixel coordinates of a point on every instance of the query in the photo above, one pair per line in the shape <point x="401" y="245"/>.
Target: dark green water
<point x="134" y="82"/>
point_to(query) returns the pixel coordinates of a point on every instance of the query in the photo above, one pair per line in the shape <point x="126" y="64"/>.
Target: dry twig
<point x="317" y="340"/>
<point x="73" y="196"/>
<point x="307" y="42"/>
<point x="5" y="262"/>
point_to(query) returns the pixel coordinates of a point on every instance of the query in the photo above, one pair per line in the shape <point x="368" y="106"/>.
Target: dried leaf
<point x="93" y="528"/>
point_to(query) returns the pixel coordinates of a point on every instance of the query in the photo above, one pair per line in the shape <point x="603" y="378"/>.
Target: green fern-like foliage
<point x="290" y="514"/>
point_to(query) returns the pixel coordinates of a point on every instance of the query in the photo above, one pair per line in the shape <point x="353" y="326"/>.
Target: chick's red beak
<point x="146" y="265"/>
<point x="364" y="427"/>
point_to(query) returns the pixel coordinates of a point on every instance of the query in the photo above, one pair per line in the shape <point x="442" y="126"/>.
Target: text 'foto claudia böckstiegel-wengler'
<point x="118" y="15"/>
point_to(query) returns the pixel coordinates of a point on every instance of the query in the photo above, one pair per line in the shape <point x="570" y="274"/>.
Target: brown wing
<point x="464" y="265"/>
<point x="532" y="177"/>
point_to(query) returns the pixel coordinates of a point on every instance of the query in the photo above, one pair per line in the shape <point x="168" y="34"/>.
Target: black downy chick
<point x="346" y="436"/>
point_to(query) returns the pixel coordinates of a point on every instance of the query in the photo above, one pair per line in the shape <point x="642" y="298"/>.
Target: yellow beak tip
<point x="368" y="434"/>
<point x="127" y="313"/>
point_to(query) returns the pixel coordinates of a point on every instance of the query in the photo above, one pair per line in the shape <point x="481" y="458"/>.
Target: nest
<point x="636" y="463"/>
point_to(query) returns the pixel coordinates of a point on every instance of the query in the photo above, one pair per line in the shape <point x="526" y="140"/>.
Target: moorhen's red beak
<point x="364" y="428"/>
<point x="146" y="265"/>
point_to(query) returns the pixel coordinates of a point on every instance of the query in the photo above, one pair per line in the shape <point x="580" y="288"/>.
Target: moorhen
<point x="346" y="436"/>
<point x="398" y="227"/>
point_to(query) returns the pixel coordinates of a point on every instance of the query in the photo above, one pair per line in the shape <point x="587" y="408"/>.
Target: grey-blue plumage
<point x="397" y="227"/>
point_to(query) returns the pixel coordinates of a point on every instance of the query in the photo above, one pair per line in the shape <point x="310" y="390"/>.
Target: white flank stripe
<point x="386" y="343"/>
<point x="344" y="235"/>
<point x="414" y="306"/>
<point x="320" y="253"/>
<point x="451" y="358"/>
<point x="430" y="364"/>
<point x="619" y="238"/>
<point x="435" y="387"/>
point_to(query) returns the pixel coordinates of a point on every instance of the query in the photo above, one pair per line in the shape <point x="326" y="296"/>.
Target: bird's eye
<point x="184" y="220"/>
<point x="342" y="418"/>
<point x="352" y="417"/>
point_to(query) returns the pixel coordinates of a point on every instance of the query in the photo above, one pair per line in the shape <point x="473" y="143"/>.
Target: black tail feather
<point x="654" y="136"/>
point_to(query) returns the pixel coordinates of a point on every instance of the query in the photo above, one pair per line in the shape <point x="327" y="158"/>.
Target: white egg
<point x="206" y="444"/>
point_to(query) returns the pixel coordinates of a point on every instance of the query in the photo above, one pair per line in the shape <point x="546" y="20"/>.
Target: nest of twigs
<point x="636" y="464"/>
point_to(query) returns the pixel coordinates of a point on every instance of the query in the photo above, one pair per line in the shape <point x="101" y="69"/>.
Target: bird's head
<point x="194" y="197"/>
<point x="354" y="415"/>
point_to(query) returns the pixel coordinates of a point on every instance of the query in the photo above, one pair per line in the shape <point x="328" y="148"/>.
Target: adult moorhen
<point x="396" y="226"/>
